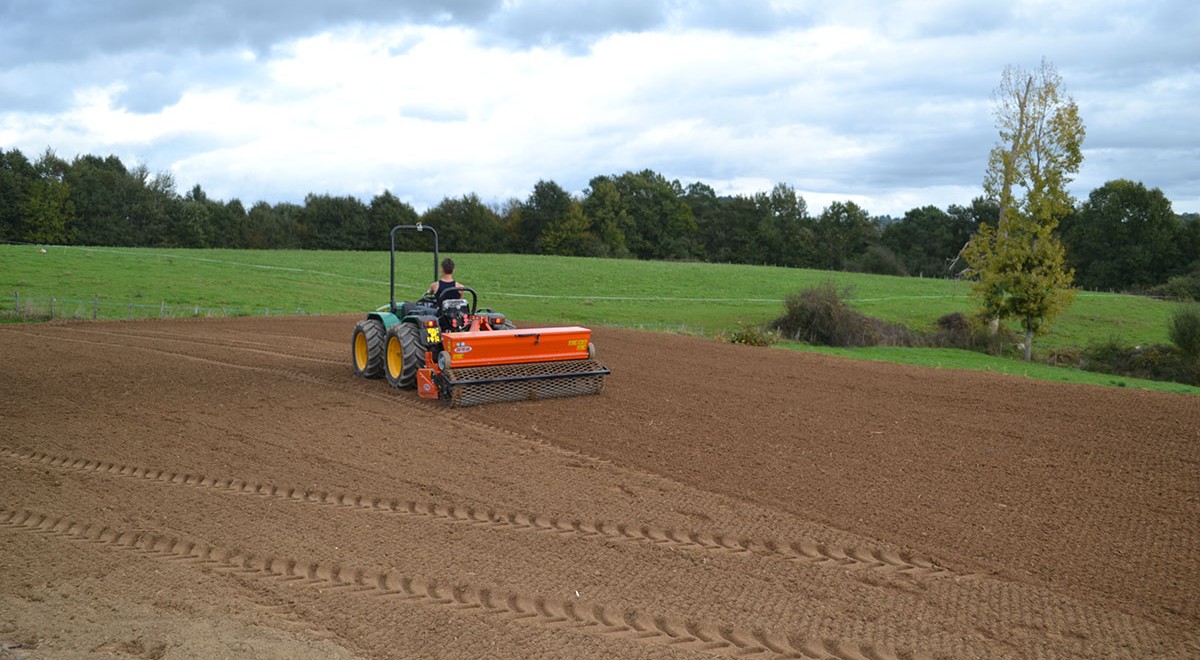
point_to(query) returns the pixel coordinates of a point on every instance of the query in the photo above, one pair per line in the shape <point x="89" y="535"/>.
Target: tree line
<point x="1124" y="236"/>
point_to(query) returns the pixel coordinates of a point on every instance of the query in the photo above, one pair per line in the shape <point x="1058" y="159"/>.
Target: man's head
<point x="448" y="266"/>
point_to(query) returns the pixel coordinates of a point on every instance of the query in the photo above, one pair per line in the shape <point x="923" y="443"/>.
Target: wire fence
<point x="23" y="306"/>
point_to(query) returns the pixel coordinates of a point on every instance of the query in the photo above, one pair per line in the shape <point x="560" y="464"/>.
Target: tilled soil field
<point x="228" y="488"/>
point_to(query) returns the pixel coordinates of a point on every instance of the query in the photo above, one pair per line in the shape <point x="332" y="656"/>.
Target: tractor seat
<point x="417" y="308"/>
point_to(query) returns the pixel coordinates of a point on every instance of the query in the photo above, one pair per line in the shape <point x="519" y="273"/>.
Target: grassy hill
<point x="691" y="297"/>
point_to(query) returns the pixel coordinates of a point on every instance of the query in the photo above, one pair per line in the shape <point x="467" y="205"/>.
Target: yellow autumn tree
<point x="1019" y="268"/>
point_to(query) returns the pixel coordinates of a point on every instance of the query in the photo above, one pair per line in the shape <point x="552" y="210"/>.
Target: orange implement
<point x="500" y="347"/>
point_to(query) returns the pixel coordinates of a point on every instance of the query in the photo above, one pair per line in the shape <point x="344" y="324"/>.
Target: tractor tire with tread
<point x="367" y="348"/>
<point x="403" y="355"/>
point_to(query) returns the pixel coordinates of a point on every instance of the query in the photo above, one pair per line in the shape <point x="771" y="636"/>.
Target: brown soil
<point x="228" y="488"/>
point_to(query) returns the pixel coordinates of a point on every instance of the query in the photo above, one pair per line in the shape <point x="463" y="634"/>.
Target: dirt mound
<point x="180" y="489"/>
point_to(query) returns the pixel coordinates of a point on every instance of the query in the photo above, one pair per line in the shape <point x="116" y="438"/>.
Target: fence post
<point x="162" y="308"/>
<point x="131" y="309"/>
<point x="95" y="306"/>
<point x="17" y="302"/>
<point x="52" y="301"/>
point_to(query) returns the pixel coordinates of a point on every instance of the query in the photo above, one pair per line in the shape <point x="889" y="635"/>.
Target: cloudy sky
<point x="884" y="103"/>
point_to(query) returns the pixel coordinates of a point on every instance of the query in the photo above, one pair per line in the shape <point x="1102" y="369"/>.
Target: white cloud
<point x="885" y="104"/>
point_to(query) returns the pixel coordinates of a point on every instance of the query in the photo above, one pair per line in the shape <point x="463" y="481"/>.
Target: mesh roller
<point x="519" y="382"/>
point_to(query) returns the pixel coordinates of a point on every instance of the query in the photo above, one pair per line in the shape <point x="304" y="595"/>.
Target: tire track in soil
<point x="241" y="345"/>
<point x="431" y="410"/>
<point x="807" y="551"/>
<point x="592" y="618"/>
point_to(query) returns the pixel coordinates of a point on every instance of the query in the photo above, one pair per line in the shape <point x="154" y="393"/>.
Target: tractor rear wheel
<point x="403" y="355"/>
<point x="367" y="348"/>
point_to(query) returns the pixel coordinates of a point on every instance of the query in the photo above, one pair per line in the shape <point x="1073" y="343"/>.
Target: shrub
<point x="1185" y="331"/>
<point x="1107" y="357"/>
<point x="1182" y="287"/>
<point x="1155" y="362"/>
<point x="818" y="315"/>
<point x="957" y="330"/>
<point x="750" y="335"/>
<point x="955" y="323"/>
<point x="1064" y="357"/>
<point x="1159" y="362"/>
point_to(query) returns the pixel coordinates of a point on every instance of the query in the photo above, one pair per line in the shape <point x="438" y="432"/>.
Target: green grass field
<point x="688" y="297"/>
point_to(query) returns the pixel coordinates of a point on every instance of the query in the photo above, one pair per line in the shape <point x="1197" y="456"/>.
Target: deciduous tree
<point x="16" y="176"/>
<point x="47" y="208"/>
<point x="785" y="230"/>
<point x="844" y="231"/>
<point x="100" y="192"/>
<point x="661" y="225"/>
<point x="610" y="221"/>
<point x="548" y="204"/>
<point x="387" y="211"/>
<point x="570" y="236"/>
<point x="1125" y="235"/>
<point x="1018" y="268"/>
<point x="465" y="224"/>
<point x="927" y="239"/>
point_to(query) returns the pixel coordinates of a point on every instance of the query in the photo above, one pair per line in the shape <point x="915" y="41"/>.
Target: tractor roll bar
<point x="436" y="259"/>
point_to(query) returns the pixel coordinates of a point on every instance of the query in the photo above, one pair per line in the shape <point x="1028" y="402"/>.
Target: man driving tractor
<point x="445" y="282"/>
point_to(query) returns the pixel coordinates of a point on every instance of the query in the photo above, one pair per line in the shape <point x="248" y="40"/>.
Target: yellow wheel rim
<point x="360" y="351"/>
<point x="395" y="356"/>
